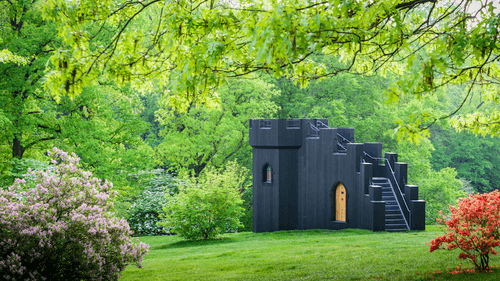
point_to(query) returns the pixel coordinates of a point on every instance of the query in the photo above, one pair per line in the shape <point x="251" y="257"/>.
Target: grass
<point x="303" y="255"/>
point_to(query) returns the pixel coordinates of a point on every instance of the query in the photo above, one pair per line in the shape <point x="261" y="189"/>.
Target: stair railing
<point x="342" y="137"/>
<point x="313" y="131"/>
<point x="321" y="124"/>
<point x="398" y="195"/>
<point x="343" y="147"/>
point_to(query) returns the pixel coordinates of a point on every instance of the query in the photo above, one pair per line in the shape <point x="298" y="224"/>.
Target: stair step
<point x="395" y="221"/>
<point x="393" y="216"/>
<point x="395" y="225"/>
<point x="396" y="230"/>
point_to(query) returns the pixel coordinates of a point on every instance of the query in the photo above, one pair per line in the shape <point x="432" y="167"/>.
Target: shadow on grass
<point x="466" y="273"/>
<point x="280" y="235"/>
<point x="190" y="244"/>
<point x="327" y="232"/>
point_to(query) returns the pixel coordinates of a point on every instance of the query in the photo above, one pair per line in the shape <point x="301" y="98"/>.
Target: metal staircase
<point x="394" y="220"/>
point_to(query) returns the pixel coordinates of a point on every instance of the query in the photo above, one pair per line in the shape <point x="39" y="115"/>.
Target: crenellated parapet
<point x="275" y="132"/>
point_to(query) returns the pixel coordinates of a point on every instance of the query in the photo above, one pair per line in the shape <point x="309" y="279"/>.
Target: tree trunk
<point x="17" y="148"/>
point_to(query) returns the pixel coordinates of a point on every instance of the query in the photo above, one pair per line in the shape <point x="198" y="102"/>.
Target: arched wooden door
<point x="340" y="203"/>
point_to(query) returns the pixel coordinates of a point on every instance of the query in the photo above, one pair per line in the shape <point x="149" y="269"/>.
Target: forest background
<point x="137" y="138"/>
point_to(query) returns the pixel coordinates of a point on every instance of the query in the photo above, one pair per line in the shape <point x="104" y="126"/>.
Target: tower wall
<point x="275" y="142"/>
<point x="265" y="196"/>
<point x="288" y="187"/>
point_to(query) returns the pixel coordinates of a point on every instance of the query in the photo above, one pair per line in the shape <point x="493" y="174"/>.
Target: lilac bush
<point x="63" y="228"/>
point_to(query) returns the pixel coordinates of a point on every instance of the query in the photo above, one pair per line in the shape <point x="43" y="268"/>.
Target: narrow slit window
<point x="267" y="173"/>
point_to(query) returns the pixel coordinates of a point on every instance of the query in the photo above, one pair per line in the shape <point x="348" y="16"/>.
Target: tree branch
<point x="412" y="4"/>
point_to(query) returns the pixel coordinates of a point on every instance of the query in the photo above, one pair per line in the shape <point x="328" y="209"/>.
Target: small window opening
<point x="267" y="173"/>
<point x="293" y="124"/>
<point x="265" y="124"/>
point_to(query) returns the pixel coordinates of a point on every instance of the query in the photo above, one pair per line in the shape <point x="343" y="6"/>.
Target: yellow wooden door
<point x="340" y="202"/>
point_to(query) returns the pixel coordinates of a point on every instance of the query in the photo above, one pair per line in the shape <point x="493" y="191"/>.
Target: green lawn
<point x="302" y="255"/>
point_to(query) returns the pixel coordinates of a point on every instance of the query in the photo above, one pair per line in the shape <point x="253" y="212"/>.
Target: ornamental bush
<point x="473" y="228"/>
<point x="144" y="214"/>
<point x="63" y="228"/>
<point x="207" y="206"/>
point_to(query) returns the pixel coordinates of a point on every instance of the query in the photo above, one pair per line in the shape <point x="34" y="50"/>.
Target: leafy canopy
<point x="190" y="47"/>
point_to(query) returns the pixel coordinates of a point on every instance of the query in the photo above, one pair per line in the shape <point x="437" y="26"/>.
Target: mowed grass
<point x="303" y="255"/>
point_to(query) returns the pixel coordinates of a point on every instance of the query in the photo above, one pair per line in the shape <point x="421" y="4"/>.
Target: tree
<point x="151" y="104"/>
<point x="26" y="35"/>
<point x="197" y="44"/>
<point x="439" y="188"/>
<point x="346" y="100"/>
<point x="204" y="136"/>
<point x="102" y="123"/>
<point x="474" y="158"/>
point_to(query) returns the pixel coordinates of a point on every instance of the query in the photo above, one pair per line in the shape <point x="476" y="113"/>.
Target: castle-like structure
<point x="309" y="176"/>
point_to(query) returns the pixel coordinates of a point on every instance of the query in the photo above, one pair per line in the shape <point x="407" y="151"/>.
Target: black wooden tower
<point x="309" y="176"/>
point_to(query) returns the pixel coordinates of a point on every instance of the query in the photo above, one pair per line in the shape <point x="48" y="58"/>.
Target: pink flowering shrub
<point x="63" y="228"/>
<point x="474" y="228"/>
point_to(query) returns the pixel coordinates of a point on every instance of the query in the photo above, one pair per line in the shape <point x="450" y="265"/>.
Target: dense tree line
<point x="136" y="87"/>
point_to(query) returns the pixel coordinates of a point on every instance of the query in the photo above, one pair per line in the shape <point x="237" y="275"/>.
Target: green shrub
<point x="208" y="205"/>
<point x="143" y="215"/>
<point x="440" y="190"/>
<point x="247" y="218"/>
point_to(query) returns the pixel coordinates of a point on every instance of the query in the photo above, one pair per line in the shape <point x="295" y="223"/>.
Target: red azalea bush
<point x="474" y="228"/>
<point x="63" y="229"/>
